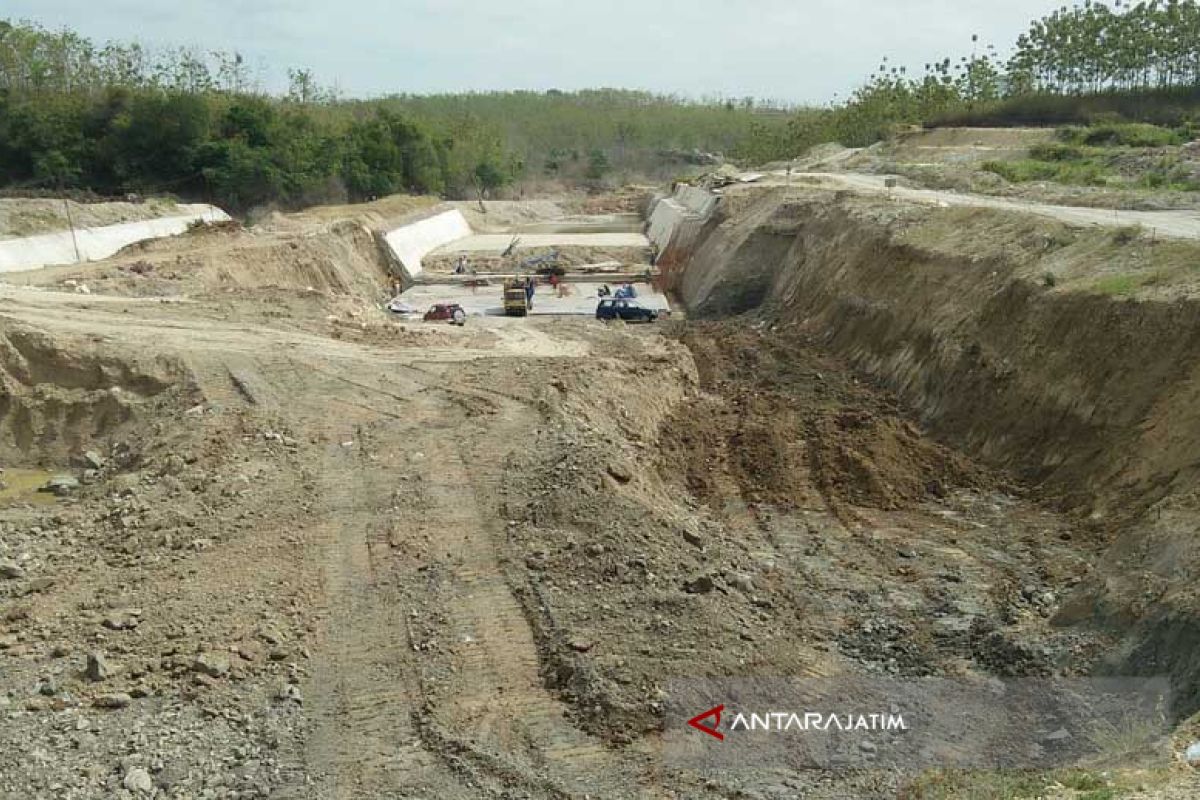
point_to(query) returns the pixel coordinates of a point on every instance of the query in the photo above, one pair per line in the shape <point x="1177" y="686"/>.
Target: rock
<point x="121" y="621"/>
<point x="594" y="550"/>
<point x="581" y="645"/>
<point x="270" y="635"/>
<point x="138" y="780"/>
<point x="1060" y="735"/>
<point x="620" y="472"/>
<point x="214" y="665"/>
<point x="115" y="700"/>
<point x="93" y="460"/>
<point x="867" y="746"/>
<point x="11" y="569"/>
<point x="289" y="692"/>
<point x="742" y="582"/>
<point x="693" y="537"/>
<point x="98" y="668"/>
<point x="61" y="485"/>
<point x="1192" y="754"/>
<point x="702" y="585"/>
<point x="39" y="585"/>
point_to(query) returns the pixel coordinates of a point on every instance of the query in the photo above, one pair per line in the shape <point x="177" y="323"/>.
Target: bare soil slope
<point x="1082" y="391"/>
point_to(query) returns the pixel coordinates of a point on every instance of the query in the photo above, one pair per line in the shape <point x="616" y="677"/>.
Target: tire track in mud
<point x="497" y="696"/>
<point x="383" y="720"/>
<point x="362" y="698"/>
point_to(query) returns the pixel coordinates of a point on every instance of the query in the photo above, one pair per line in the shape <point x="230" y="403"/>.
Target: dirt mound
<point x="60" y="397"/>
<point x="30" y="217"/>
<point x="778" y="422"/>
<point x="742" y="504"/>
<point x="335" y="262"/>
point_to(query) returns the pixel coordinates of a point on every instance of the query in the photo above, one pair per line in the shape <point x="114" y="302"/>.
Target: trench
<point x="1083" y="401"/>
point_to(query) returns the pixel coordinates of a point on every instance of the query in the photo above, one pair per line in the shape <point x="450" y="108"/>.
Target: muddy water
<point x="19" y="486"/>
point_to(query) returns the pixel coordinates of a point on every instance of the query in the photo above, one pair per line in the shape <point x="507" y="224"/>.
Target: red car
<point x="448" y="312"/>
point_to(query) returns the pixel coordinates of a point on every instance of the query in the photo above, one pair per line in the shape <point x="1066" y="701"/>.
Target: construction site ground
<point x="577" y="298"/>
<point x="318" y="552"/>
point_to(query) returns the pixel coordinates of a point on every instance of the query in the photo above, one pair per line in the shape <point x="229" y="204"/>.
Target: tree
<point x="598" y="166"/>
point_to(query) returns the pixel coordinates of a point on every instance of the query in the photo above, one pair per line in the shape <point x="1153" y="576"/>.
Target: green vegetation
<point x="1088" y="65"/>
<point x="1094" y="156"/>
<point x="1007" y="785"/>
<point x="1125" y="135"/>
<point x="118" y="118"/>
<point x="1117" y="285"/>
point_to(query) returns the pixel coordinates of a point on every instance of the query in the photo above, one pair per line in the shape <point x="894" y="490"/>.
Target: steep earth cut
<point x="1002" y="332"/>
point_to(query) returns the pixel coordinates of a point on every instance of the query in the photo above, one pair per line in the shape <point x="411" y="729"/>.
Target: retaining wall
<point x="676" y="222"/>
<point x="410" y="244"/>
<point x="92" y="244"/>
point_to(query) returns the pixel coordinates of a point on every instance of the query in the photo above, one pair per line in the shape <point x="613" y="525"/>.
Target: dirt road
<point x="1172" y="224"/>
<point x="421" y="674"/>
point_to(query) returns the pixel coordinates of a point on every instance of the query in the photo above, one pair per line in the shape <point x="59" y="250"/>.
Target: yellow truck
<point x="516" y="300"/>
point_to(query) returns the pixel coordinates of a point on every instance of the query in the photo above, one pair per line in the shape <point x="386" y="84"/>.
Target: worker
<point x="529" y="291"/>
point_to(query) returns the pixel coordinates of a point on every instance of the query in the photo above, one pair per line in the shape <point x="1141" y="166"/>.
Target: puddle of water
<point x="19" y="486"/>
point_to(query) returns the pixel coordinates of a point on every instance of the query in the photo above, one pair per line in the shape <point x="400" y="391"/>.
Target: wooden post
<point x="71" y="223"/>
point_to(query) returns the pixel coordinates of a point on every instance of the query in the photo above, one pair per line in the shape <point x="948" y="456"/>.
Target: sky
<point x="794" y="51"/>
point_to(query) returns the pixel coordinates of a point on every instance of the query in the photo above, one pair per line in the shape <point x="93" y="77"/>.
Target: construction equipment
<point x="546" y="262"/>
<point x="516" y="297"/>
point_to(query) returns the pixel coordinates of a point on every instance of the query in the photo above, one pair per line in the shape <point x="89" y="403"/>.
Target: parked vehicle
<point x="447" y="312"/>
<point x="625" y="309"/>
<point x="398" y="306"/>
<point x="517" y="297"/>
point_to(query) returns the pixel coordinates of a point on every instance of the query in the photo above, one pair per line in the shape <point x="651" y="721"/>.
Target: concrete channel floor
<point x="486" y="300"/>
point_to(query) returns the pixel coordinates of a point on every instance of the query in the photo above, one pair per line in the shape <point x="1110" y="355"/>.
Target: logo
<point x="783" y="722"/>
<point x="697" y="722"/>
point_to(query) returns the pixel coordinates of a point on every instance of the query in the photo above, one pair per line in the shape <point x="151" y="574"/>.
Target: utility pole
<point x="70" y="223"/>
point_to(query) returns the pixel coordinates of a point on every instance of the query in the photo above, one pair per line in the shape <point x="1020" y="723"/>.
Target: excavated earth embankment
<point x="1009" y="339"/>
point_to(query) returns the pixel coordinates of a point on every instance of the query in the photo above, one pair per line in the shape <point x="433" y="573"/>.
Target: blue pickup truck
<point x="625" y="309"/>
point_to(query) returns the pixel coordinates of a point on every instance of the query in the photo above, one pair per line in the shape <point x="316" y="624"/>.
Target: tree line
<point x="119" y="118"/>
<point x="1138" y="61"/>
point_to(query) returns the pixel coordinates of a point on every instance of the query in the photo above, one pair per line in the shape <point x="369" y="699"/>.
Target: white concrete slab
<point x="486" y="300"/>
<point x="93" y="244"/>
<point x="497" y="242"/>
<point x="413" y="242"/>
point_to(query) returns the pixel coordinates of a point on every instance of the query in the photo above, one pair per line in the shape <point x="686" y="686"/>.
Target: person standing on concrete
<point x="529" y="292"/>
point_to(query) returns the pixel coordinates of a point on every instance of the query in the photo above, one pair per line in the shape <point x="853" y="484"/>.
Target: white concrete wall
<point x="676" y="220"/>
<point x="697" y="200"/>
<point x="413" y="242"/>
<point x="667" y="216"/>
<point x="51" y="249"/>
